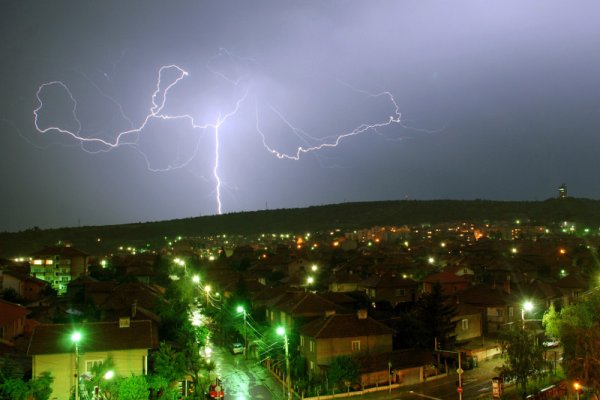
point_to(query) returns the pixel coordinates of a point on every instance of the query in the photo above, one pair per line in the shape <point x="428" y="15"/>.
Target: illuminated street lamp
<point x="76" y="338"/>
<point x="577" y="387"/>
<point x="196" y="279"/>
<point x="207" y="290"/>
<point x="288" y="379"/>
<point x="527" y="306"/>
<point x="241" y="309"/>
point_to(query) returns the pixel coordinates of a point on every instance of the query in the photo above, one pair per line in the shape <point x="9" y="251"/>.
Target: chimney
<point x="362" y="313"/>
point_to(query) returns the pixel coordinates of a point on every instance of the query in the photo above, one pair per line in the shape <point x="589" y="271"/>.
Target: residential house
<point x="335" y="335"/>
<point x="344" y="282"/>
<point x="12" y="321"/>
<point x="468" y="322"/>
<point x="126" y="342"/>
<point x="452" y="280"/>
<point x="27" y="287"/>
<point x="498" y="305"/>
<point x="58" y="265"/>
<point x="294" y="309"/>
<point x="390" y="287"/>
<point x="572" y="286"/>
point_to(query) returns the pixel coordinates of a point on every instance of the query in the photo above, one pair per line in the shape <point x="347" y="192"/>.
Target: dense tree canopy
<point x="524" y="357"/>
<point x="578" y="327"/>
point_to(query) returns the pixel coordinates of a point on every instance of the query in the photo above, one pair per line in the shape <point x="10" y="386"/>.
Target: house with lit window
<point x="498" y="305"/>
<point x="58" y="265"/>
<point x="53" y="350"/>
<point x="342" y="335"/>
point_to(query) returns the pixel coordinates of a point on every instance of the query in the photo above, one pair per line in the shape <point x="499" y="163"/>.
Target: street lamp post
<point x="389" y="377"/>
<point x="241" y="309"/>
<point x="288" y="379"/>
<point x="577" y="387"/>
<point x="207" y="290"/>
<point x="76" y="337"/>
<point x="527" y="306"/>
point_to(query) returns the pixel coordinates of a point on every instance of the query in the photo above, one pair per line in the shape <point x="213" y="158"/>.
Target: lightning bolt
<point x="159" y="101"/>
<point x="395" y="118"/>
<point x="130" y="137"/>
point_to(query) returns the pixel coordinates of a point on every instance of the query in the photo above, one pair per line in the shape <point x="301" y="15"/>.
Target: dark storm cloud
<point x="504" y="97"/>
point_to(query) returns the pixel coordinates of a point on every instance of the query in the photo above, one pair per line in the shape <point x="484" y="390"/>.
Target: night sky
<point x="390" y="100"/>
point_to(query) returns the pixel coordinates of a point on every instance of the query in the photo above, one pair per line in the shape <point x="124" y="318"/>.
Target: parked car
<point x="237" y="348"/>
<point x="551" y="342"/>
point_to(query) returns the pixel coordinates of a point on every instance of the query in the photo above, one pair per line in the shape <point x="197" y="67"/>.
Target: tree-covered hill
<point x="316" y="218"/>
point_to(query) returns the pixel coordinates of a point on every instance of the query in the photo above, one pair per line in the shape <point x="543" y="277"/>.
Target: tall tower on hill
<point x="562" y="191"/>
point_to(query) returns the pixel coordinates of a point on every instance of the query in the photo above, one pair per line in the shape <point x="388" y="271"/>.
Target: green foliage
<point x="344" y="370"/>
<point x="579" y="332"/>
<point x="97" y="378"/>
<point x="168" y="364"/>
<point x="550" y="321"/>
<point x="524" y="357"/>
<point x="162" y="388"/>
<point x="39" y="388"/>
<point x="134" y="387"/>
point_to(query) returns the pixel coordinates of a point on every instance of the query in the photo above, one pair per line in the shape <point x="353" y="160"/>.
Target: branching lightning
<point x="130" y="137"/>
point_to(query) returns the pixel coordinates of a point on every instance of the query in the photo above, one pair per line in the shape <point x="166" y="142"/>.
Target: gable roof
<point x="346" y="325"/>
<point x="486" y="296"/>
<point x="447" y="278"/>
<point x="96" y="336"/>
<point x="307" y="304"/>
<point x="63" y="251"/>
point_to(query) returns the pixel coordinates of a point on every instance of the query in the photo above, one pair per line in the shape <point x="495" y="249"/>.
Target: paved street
<point x="245" y="379"/>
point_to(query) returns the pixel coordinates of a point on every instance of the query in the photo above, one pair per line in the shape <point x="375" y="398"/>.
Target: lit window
<point x="49" y="262"/>
<point x="312" y="346"/>
<point x="356" y="345"/>
<point x="37" y="262"/>
<point x="465" y="324"/>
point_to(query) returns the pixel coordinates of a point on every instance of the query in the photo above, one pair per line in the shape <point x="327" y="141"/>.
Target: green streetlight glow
<point x="240" y="309"/>
<point x="76" y="337"/>
<point x="281" y="331"/>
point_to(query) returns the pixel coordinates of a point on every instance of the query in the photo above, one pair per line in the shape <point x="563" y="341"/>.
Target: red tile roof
<point x="96" y="336"/>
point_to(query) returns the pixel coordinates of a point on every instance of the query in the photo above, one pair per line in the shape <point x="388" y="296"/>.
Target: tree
<point x="579" y="332"/>
<point x="550" y="322"/>
<point x="39" y="388"/>
<point x="134" y="387"/>
<point x="98" y="379"/>
<point x="434" y="313"/>
<point x="524" y="357"/>
<point x="344" y="370"/>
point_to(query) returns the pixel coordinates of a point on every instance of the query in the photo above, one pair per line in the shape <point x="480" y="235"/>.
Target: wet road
<point x="244" y="379"/>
